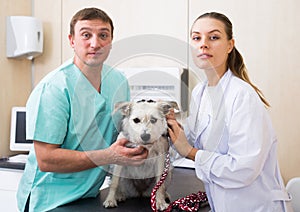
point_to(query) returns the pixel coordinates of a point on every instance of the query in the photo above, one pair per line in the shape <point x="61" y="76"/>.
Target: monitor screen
<point x="18" y="140"/>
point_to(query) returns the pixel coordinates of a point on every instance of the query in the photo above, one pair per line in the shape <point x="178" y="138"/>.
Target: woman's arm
<point x="179" y="139"/>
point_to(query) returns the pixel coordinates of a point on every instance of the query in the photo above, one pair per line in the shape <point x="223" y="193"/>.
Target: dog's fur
<point x="143" y="124"/>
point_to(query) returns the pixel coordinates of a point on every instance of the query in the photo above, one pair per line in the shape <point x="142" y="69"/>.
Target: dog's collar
<point x="165" y="135"/>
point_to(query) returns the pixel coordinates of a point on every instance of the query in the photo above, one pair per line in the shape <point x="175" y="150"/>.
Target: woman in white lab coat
<point x="228" y="133"/>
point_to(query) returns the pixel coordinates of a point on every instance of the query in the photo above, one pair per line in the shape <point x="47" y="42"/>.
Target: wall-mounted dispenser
<point x="24" y="37"/>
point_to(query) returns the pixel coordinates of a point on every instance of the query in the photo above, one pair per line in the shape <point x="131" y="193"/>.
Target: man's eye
<point x="136" y="120"/>
<point x="153" y="120"/>
<point x="86" y="35"/>
<point x="104" y="36"/>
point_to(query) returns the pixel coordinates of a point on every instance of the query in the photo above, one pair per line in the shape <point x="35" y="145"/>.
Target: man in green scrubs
<point x="69" y="118"/>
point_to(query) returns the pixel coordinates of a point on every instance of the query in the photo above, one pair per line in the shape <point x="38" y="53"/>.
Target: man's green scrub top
<point x="66" y="109"/>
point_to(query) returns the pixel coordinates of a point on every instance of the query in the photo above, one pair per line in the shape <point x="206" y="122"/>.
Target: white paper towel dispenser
<point x="24" y="37"/>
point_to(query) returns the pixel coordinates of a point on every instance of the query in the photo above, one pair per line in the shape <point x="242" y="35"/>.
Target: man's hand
<point x="123" y="155"/>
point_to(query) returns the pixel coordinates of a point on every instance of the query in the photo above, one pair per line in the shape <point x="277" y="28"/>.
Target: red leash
<point x="191" y="202"/>
<point x="160" y="182"/>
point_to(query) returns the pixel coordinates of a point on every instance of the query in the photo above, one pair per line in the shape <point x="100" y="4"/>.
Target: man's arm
<point x="52" y="158"/>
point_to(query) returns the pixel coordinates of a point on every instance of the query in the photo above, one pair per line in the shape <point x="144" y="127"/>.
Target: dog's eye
<point x="153" y="120"/>
<point x="136" y="120"/>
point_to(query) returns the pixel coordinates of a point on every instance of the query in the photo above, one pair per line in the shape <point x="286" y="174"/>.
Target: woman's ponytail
<point x="238" y="68"/>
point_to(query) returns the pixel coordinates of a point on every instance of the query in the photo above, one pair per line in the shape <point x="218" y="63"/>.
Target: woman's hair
<point x="90" y="14"/>
<point x="235" y="60"/>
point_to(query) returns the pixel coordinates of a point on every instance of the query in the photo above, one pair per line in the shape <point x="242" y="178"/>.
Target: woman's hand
<point x="179" y="139"/>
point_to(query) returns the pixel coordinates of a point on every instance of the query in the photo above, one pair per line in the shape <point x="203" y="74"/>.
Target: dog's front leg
<point x="111" y="200"/>
<point x="161" y="193"/>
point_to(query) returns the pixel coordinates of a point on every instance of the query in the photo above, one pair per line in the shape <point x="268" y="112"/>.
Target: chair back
<point x="293" y="187"/>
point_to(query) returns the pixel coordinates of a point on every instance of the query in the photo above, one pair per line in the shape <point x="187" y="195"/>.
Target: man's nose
<point x="95" y="42"/>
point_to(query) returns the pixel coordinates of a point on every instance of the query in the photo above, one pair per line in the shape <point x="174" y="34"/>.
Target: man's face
<point x="91" y="42"/>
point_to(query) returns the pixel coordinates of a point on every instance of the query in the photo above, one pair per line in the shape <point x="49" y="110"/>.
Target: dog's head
<point x="144" y="122"/>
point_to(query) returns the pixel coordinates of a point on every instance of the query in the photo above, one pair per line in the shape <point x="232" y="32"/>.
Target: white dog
<point x="144" y="124"/>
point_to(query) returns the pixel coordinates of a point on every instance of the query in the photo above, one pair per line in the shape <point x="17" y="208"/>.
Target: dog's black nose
<point x="145" y="136"/>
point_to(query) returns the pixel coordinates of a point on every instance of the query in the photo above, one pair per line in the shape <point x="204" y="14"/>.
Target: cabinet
<point x="9" y="182"/>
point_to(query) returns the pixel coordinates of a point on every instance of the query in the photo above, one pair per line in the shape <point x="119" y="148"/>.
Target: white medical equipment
<point x="158" y="83"/>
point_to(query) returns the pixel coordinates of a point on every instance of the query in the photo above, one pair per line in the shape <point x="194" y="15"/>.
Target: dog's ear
<point x="166" y="106"/>
<point x="123" y="107"/>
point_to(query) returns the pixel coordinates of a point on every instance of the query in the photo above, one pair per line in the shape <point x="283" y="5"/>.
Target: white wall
<point x="137" y="18"/>
<point x="266" y="34"/>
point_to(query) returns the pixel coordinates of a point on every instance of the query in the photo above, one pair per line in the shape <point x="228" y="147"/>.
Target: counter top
<point x="184" y="182"/>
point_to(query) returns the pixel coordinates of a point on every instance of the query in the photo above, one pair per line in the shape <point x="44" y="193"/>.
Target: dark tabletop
<point x="184" y="182"/>
<point x="5" y="163"/>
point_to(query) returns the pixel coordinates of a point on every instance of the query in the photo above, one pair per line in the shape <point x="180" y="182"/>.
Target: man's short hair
<point x="90" y="14"/>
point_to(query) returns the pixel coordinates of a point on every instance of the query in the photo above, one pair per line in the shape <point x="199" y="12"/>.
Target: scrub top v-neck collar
<point x="88" y="83"/>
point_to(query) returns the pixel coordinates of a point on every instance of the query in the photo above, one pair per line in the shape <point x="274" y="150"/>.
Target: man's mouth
<point x="95" y="53"/>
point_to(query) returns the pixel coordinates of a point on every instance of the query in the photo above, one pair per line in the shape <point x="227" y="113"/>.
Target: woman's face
<point x="210" y="45"/>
